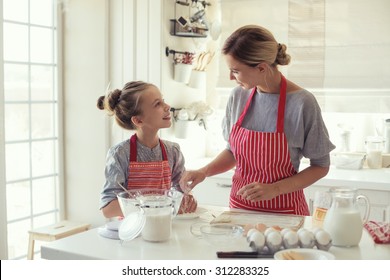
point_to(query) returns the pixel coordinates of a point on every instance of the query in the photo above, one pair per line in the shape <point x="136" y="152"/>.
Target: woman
<point x="144" y="160"/>
<point x="270" y="124"/>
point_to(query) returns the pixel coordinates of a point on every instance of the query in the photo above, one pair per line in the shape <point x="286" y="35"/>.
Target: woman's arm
<point x="223" y="162"/>
<point x="257" y="191"/>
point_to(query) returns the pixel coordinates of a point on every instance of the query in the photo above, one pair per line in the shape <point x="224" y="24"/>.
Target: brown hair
<point x="252" y="44"/>
<point x="124" y="103"/>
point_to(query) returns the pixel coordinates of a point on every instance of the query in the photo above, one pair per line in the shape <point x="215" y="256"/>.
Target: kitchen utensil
<point x="243" y="218"/>
<point x="221" y="235"/>
<point x="127" y="202"/>
<point x="204" y="61"/>
<point x="303" y="254"/>
<point x="126" y="190"/>
<point x="386" y="135"/>
<point x="343" y="221"/>
<point x="243" y="254"/>
<point x="199" y="61"/>
<point x="348" y="161"/>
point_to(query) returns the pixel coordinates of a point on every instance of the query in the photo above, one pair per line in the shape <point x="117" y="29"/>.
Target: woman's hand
<point x="190" y="179"/>
<point x="188" y="204"/>
<point x="258" y="192"/>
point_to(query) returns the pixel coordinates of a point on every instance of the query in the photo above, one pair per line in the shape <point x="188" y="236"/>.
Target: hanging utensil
<point x="205" y="61"/>
<point x="199" y="61"/>
<point x="210" y="57"/>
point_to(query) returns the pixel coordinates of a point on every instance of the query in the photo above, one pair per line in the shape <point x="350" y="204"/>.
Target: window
<point x="31" y="118"/>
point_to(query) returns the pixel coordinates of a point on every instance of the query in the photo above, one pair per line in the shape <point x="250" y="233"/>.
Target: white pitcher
<point x="343" y="220"/>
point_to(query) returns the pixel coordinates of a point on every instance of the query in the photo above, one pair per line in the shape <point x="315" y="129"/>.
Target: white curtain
<point x="333" y="43"/>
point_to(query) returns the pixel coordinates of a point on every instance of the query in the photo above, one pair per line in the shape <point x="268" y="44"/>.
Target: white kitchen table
<point x="183" y="245"/>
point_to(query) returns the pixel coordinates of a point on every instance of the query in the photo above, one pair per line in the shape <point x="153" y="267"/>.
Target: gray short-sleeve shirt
<point x="306" y="133"/>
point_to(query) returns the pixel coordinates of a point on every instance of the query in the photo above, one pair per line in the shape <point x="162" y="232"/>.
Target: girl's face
<point x="155" y="112"/>
<point x="246" y="76"/>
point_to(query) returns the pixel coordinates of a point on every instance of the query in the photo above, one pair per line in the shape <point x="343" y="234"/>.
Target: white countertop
<point x="371" y="179"/>
<point x="182" y="246"/>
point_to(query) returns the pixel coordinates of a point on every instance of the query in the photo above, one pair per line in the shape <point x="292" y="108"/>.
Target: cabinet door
<point x="213" y="191"/>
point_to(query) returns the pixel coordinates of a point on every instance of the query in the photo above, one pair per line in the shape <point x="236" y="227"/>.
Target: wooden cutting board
<point x="244" y="218"/>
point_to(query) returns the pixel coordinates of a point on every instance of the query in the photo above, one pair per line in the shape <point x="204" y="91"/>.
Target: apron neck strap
<point x="282" y="104"/>
<point x="133" y="148"/>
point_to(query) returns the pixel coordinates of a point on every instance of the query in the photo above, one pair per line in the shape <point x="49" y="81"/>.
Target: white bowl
<point x="306" y="254"/>
<point x="348" y="161"/>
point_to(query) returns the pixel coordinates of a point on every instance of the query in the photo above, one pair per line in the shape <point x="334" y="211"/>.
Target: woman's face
<point x="246" y="76"/>
<point x="155" y="112"/>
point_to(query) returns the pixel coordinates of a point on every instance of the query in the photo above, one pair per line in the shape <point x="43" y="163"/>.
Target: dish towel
<point x="379" y="231"/>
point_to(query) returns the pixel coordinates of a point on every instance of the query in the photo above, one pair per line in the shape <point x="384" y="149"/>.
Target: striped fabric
<point x="155" y="174"/>
<point x="264" y="157"/>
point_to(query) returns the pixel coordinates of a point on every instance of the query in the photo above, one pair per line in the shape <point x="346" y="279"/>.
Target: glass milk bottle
<point x="374" y="147"/>
<point x="343" y="220"/>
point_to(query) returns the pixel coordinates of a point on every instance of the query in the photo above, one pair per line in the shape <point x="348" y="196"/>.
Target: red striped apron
<point x="264" y="157"/>
<point x="153" y="174"/>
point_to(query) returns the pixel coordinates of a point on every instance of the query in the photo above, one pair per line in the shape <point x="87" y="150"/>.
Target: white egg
<point x="301" y="230"/>
<point x="250" y="232"/>
<point x="284" y="231"/>
<point x="306" y="239"/>
<point x="290" y="240"/>
<point x="256" y="240"/>
<point x="315" y="230"/>
<point x="269" y="230"/>
<point x="274" y="241"/>
<point x="323" y="240"/>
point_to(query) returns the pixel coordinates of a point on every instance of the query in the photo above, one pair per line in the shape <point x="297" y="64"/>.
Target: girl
<point x="144" y="160"/>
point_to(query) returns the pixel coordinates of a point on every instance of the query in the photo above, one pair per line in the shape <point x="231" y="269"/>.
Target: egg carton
<point x="273" y="240"/>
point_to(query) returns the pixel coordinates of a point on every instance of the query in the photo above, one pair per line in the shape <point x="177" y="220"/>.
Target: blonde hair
<point x="124" y="103"/>
<point x="253" y="44"/>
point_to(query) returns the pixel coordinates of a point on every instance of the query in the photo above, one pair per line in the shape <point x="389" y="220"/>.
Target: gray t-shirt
<point x="306" y="133"/>
<point x="117" y="163"/>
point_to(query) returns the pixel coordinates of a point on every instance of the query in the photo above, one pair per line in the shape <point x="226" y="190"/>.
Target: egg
<point x="256" y="240"/>
<point x="273" y="241"/>
<point x="306" y="238"/>
<point x="251" y="232"/>
<point x="269" y="230"/>
<point x="315" y="230"/>
<point x="261" y="227"/>
<point x="323" y="240"/>
<point x="284" y="231"/>
<point x="290" y="239"/>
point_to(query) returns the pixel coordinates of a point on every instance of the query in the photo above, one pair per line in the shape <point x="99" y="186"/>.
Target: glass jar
<point x="374" y="148"/>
